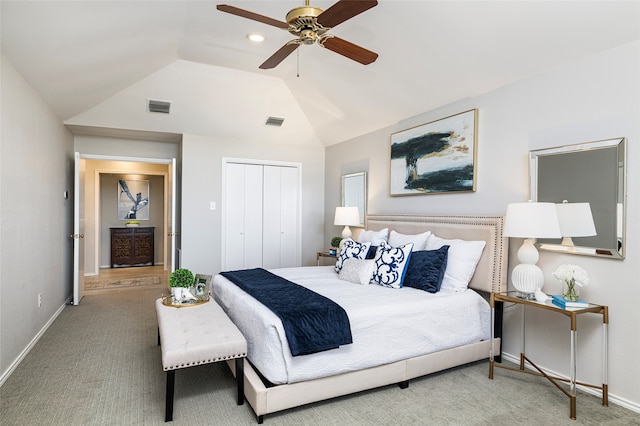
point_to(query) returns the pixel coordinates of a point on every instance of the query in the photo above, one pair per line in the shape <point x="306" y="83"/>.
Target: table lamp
<point x="575" y="220"/>
<point x="346" y="216"/>
<point x="530" y="221"/>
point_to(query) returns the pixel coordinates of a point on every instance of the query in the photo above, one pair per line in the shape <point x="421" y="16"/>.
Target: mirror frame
<point x="354" y="187"/>
<point x="617" y="250"/>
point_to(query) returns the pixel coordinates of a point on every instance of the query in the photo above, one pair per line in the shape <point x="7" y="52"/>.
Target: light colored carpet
<point x="99" y="364"/>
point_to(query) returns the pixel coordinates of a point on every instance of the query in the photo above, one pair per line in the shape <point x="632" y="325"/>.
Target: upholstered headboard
<point x="491" y="272"/>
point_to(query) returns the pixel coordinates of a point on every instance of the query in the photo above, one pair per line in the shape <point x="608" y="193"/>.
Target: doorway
<point x="96" y="275"/>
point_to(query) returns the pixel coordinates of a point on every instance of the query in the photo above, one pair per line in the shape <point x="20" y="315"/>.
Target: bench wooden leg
<point x="240" y="379"/>
<point x="168" y="410"/>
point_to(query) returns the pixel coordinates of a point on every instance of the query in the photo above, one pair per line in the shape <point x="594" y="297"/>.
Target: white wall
<point x="201" y="184"/>
<point x="593" y="99"/>
<point x="35" y="250"/>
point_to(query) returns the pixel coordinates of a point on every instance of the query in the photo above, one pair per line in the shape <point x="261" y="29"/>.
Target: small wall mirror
<point x="354" y="192"/>
<point x="593" y="173"/>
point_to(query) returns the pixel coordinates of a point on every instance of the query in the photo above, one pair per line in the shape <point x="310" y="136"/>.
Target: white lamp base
<point x="346" y="232"/>
<point x="527" y="277"/>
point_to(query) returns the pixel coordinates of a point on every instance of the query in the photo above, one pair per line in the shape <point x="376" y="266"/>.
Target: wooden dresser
<point x="132" y="246"/>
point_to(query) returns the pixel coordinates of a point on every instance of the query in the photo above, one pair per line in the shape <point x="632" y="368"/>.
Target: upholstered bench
<point x="197" y="335"/>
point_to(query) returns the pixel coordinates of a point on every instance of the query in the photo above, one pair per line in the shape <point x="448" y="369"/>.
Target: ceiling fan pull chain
<point x="298" y="63"/>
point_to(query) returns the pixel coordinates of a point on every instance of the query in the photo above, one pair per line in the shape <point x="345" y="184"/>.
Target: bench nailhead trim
<point x="209" y="361"/>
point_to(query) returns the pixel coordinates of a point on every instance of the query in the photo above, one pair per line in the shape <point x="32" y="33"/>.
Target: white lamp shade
<point x="531" y="220"/>
<point x="347" y="216"/>
<point x="575" y="220"/>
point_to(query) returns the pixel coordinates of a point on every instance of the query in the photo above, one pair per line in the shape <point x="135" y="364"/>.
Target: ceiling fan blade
<point x="250" y="15"/>
<point x="349" y="50"/>
<point x="343" y="10"/>
<point x="279" y="56"/>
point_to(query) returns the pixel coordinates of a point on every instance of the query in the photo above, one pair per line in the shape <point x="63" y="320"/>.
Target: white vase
<point x="176" y="294"/>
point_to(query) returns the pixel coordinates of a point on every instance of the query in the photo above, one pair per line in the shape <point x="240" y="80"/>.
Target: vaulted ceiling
<point x="80" y="55"/>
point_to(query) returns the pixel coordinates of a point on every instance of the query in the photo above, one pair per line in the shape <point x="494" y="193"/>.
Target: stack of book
<point x="559" y="301"/>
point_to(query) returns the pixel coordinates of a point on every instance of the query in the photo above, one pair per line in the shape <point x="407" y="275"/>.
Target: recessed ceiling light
<point x="255" y="37"/>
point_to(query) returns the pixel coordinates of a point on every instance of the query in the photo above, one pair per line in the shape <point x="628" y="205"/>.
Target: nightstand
<point x="325" y="254"/>
<point x="500" y="298"/>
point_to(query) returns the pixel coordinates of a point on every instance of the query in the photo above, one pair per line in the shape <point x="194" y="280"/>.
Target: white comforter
<point x="387" y="325"/>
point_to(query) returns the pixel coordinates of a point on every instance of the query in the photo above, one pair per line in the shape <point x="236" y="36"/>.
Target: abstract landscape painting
<point x="133" y="199"/>
<point x="435" y="157"/>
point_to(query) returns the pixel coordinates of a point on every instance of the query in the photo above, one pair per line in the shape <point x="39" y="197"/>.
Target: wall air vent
<point x="274" y="121"/>
<point x="163" y="107"/>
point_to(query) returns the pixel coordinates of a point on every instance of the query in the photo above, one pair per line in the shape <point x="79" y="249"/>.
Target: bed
<point x="275" y="380"/>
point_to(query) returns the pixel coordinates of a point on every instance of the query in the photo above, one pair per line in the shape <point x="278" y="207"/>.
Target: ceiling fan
<point x="310" y="25"/>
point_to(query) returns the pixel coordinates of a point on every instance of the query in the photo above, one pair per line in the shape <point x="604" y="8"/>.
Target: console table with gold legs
<point x="572" y="313"/>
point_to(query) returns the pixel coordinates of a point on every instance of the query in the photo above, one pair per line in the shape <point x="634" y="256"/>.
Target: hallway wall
<point x="109" y="217"/>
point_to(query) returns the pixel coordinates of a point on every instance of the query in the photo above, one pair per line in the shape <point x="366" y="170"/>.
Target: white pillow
<point x="376" y="238"/>
<point x="357" y="271"/>
<point x="462" y="259"/>
<point x="419" y="241"/>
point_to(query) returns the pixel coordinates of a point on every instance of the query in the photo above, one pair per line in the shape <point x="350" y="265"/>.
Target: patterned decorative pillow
<point x="351" y="249"/>
<point x="357" y="271"/>
<point x="391" y="265"/>
<point x="426" y="269"/>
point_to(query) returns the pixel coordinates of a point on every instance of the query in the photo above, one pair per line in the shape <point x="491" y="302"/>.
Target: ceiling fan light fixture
<point x="255" y="37"/>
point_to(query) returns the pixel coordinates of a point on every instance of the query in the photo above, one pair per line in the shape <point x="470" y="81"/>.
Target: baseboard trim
<point x="32" y="343"/>
<point x="614" y="399"/>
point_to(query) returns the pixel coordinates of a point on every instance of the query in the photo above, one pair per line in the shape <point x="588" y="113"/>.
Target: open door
<point x="78" y="229"/>
<point x="171" y="219"/>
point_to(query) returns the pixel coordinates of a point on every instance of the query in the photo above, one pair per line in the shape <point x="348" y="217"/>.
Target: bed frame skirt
<point x="490" y="276"/>
<point x="265" y="400"/>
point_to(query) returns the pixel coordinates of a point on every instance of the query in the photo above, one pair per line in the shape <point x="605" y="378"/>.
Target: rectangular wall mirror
<point x="593" y="173"/>
<point x="354" y="192"/>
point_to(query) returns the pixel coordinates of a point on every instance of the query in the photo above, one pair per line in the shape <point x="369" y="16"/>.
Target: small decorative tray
<point x="168" y="301"/>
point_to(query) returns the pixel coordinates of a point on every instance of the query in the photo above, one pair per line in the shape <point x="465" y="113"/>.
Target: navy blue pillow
<point x="426" y="269"/>
<point x="371" y="254"/>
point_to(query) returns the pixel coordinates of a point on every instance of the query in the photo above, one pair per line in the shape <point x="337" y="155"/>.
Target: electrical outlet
<point x="39" y="300"/>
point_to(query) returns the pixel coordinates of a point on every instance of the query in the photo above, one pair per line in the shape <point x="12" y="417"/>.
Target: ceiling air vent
<point x="274" y="121"/>
<point x="163" y="107"/>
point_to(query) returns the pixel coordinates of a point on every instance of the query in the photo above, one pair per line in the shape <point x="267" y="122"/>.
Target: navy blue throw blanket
<point x="312" y="322"/>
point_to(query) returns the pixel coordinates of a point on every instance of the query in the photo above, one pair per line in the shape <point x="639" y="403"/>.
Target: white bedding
<point x="387" y="324"/>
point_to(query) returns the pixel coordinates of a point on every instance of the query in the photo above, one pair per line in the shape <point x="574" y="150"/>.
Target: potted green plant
<point x="179" y="280"/>
<point x="335" y="243"/>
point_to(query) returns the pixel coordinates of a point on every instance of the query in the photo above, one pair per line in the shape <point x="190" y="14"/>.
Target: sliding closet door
<point x="243" y="216"/>
<point x="280" y="217"/>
